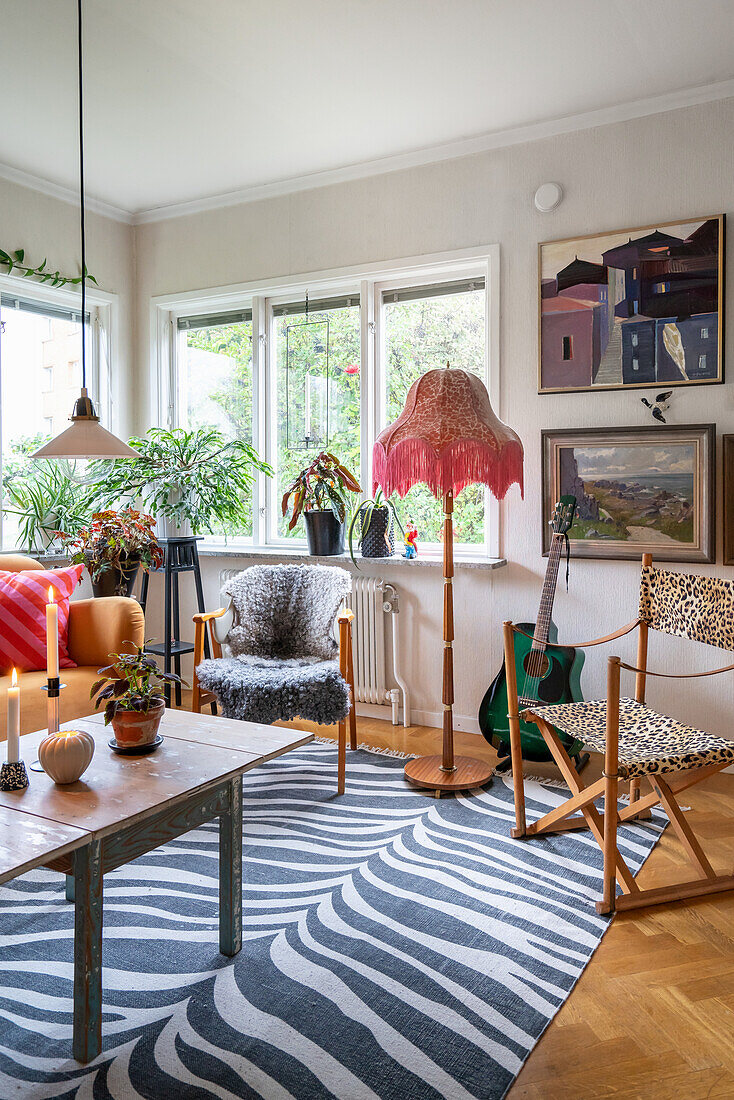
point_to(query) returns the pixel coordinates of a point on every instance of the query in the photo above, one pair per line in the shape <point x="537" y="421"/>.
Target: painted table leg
<point x="230" y="872"/>
<point x="69" y="887"/>
<point x="87" y="864"/>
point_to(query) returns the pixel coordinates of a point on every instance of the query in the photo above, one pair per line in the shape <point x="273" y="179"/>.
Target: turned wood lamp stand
<point x="447" y="437"/>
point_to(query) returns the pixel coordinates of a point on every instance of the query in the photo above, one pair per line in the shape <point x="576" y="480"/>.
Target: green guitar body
<point x="560" y="684"/>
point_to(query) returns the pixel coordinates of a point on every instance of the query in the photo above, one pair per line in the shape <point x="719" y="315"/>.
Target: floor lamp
<point x="447" y="437"/>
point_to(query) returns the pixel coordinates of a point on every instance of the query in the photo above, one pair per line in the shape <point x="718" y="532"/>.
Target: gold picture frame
<point x="639" y="490"/>
<point x="632" y="309"/>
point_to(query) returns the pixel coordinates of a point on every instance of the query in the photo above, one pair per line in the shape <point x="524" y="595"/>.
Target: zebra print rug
<point x="395" y="947"/>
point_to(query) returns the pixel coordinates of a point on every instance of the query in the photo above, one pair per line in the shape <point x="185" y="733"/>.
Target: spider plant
<point x="47" y="499"/>
<point x="365" y="514"/>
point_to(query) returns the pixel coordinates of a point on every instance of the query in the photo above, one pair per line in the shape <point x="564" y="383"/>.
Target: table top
<point x="26" y="841"/>
<point x="199" y="751"/>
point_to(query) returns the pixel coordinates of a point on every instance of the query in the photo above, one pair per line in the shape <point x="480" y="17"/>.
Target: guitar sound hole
<point x="536" y="665"/>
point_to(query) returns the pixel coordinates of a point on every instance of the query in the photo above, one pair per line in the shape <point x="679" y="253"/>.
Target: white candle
<point x="52" y="636"/>
<point x="14" y="720"/>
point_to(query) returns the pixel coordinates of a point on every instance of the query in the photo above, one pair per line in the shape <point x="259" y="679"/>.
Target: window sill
<point x="298" y="554"/>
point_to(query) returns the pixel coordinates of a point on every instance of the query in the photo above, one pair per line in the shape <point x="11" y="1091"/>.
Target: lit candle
<point x="14" y="720"/>
<point x="52" y="636"/>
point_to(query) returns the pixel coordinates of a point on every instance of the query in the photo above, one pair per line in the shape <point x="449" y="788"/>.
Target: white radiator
<point x="371" y="600"/>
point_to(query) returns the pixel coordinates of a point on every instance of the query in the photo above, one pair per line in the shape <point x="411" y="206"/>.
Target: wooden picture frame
<point x="727" y="491"/>
<point x="633" y="308"/>
<point x="628" y="480"/>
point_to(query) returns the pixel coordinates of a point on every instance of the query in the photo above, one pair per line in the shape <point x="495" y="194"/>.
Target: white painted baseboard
<point x="463" y="723"/>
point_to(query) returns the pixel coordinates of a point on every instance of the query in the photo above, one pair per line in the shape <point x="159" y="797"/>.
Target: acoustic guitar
<point x="546" y="673"/>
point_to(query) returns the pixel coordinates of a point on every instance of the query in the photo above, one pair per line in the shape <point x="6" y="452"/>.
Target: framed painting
<point x="728" y="463"/>
<point x="633" y="308"/>
<point x="638" y="490"/>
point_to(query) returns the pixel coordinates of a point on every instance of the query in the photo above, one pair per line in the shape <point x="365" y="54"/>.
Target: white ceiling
<point x="188" y="99"/>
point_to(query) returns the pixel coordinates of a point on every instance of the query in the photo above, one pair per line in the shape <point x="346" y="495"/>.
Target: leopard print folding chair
<point x="639" y="745"/>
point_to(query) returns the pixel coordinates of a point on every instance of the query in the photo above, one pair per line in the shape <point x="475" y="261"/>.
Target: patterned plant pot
<point x="378" y="541"/>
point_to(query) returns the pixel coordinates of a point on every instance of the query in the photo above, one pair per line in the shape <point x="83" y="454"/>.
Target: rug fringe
<point x="369" y="748"/>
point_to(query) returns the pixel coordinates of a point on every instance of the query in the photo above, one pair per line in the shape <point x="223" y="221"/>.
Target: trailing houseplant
<point x="321" y="494"/>
<point x="45" y="496"/>
<point x="191" y="481"/>
<point x="132" y="690"/>
<point x="376" y="518"/>
<point x="113" y="547"/>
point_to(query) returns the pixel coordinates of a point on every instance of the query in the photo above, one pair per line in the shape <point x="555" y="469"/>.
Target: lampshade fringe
<point x="461" y="463"/>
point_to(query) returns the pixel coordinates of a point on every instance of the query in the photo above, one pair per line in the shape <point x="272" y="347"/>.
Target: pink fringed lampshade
<point x="447" y="436"/>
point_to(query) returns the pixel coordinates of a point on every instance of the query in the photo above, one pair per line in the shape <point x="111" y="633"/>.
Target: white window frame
<point x="367" y="281"/>
<point x="103" y="310"/>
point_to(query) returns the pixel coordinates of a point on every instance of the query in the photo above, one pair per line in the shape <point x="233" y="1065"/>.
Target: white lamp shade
<point x="86" y="439"/>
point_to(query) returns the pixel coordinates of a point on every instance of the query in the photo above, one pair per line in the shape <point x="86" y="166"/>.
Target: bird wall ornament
<point x="658" y="407"/>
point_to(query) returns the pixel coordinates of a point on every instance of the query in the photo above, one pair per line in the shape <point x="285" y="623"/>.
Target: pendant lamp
<point x="447" y="437"/>
<point x="86" y="438"/>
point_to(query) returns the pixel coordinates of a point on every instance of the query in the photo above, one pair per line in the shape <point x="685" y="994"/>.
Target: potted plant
<point x="321" y="494"/>
<point x="376" y="518"/>
<point x="113" y="547"/>
<point x="189" y="480"/>
<point x="45" y="496"/>
<point x="132" y="690"/>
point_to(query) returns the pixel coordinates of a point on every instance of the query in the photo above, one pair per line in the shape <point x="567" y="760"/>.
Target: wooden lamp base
<point x="426" y="771"/>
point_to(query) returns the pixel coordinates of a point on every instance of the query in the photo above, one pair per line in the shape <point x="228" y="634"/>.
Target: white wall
<point x="660" y="168"/>
<point x="47" y="227"/>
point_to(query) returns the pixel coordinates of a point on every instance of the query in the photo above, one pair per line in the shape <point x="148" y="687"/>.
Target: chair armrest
<point x="346" y="615"/>
<point x="594" y="641"/>
<point x="98" y="627"/>
<point x="207" y="616"/>
<point x="676" y="675"/>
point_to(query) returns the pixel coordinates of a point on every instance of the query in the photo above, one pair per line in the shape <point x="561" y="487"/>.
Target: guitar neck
<point x="542" y="624"/>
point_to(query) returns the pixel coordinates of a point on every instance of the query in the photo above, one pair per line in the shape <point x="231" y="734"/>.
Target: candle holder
<point x="13" y="777"/>
<point x="52" y="687"/>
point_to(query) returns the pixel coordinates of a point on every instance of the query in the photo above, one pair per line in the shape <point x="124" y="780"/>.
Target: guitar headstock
<point x="563" y="515"/>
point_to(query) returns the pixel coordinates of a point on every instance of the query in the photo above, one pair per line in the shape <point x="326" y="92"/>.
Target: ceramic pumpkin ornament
<point x="66" y="755"/>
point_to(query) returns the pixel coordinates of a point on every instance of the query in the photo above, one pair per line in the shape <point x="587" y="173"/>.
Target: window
<point x="704" y="334"/>
<point x="568" y="347"/>
<point x="635" y="339"/>
<point x="424" y="328"/>
<point x="635" y="364"/>
<point x="37" y="341"/>
<point x="326" y="364"/>
<point x="214" y="378"/>
<point x="702" y="362"/>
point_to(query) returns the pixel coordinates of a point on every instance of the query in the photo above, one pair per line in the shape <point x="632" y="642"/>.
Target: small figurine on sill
<point x="411" y="546"/>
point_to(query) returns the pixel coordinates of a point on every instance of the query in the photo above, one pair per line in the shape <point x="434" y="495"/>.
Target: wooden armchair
<point x="639" y="745"/>
<point x="218" y="624"/>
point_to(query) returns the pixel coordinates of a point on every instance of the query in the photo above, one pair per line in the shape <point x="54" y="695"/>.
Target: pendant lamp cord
<point x="81" y="203"/>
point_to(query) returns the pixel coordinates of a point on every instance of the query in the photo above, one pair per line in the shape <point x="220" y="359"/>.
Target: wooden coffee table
<point x="123" y="807"/>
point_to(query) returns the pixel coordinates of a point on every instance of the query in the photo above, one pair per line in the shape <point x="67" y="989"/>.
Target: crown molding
<point x="64" y="194"/>
<point x="497" y="139"/>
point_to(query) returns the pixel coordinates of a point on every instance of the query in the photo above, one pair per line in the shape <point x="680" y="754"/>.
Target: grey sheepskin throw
<point x="282" y="646"/>
<point x="257" y="690"/>
<point x="286" y="610"/>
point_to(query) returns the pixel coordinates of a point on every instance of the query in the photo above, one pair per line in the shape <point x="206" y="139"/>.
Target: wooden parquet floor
<point x="652" y="1017"/>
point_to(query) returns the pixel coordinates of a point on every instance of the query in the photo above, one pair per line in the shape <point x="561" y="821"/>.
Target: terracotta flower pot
<point x="66" y="755"/>
<point x="137" y="727"/>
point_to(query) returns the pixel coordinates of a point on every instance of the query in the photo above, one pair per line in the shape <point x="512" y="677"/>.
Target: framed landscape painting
<point x="633" y="308"/>
<point x="638" y="490"/>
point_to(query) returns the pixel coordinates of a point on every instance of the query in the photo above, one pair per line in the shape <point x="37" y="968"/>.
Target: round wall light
<point x="548" y="197"/>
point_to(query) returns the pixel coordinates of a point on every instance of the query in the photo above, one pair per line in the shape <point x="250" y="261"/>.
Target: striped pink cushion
<point x="23" y="599"/>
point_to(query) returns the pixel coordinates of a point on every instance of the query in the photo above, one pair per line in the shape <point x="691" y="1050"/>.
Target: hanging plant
<point x="15" y="261"/>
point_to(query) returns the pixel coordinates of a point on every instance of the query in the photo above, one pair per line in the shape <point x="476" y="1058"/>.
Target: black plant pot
<point x="117" y="582"/>
<point x="378" y="541"/>
<point x="324" y="534"/>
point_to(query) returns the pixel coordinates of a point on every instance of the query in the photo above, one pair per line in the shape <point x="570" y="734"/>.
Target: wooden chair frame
<point x="202" y="698"/>
<point x="579" y="812"/>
